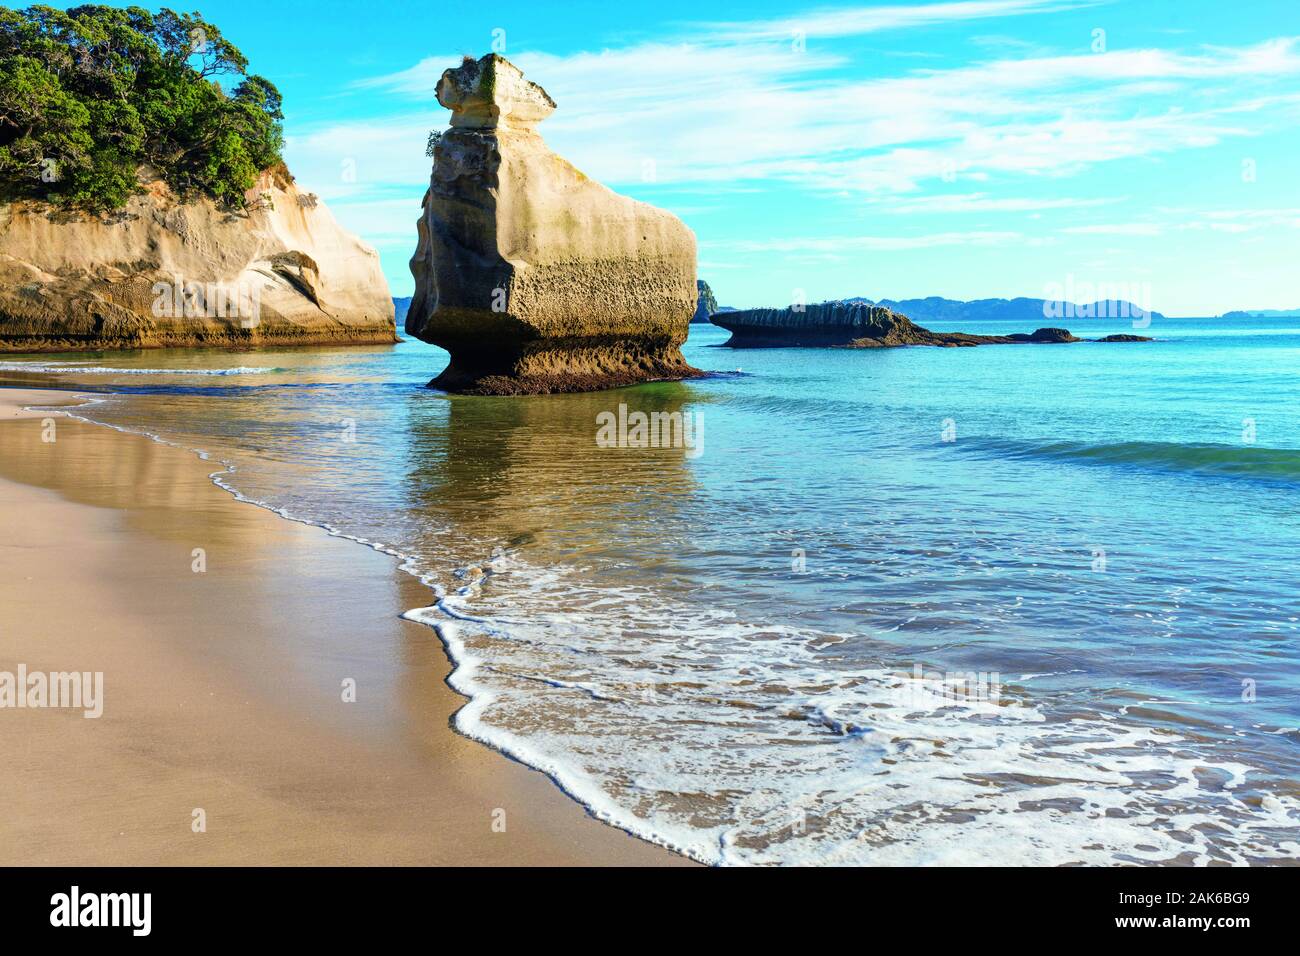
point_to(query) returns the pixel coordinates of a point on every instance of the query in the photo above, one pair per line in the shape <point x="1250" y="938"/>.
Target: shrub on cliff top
<point x="91" y="94"/>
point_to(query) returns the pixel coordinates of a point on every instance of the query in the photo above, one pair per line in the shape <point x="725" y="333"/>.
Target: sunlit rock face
<point x="173" y="272"/>
<point x="534" y="277"/>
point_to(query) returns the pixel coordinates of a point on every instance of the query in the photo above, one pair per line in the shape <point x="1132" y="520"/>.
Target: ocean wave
<point x="1247" y="461"/>
<point x="735" y="742"/>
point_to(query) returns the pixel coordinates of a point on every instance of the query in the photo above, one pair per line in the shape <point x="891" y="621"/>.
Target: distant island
<point x="1262" y="314"/>
<point x="862" y="325"/>
<point x="938" y="309"/>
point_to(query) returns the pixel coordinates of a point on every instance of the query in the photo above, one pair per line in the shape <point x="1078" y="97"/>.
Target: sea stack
<point x="534" y="277"/>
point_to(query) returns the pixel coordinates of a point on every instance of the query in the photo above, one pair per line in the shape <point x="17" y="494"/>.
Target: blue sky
<point x="969" y="149"/>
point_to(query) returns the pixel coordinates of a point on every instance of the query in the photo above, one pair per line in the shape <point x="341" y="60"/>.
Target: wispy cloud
<point x="1230" y="221"/>
<point x="859" y="243"/>
<point x="833" y="22"/>
<point x="983" y="202"/>
<point x="718" y="108"/>
<point x="758" y="110"/>
<point x="1115" y="229"/>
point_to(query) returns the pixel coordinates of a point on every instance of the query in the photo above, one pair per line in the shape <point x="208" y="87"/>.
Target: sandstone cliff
<point x="164" y="273"/>
<point x="534" y="277"/>
<point x="855" y="324"/>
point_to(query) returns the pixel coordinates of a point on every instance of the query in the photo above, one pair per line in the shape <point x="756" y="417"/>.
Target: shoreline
<point x="222" y="688"/>
<point x="52" y="345"/>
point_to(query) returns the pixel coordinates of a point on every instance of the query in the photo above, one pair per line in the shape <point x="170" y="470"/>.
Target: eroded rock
<point x="533" y="276"/>
<point x="165" y="272"/>
<point x="861" y="325"/>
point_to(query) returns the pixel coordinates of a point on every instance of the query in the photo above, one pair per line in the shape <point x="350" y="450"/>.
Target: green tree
<point x="91" y="95"/>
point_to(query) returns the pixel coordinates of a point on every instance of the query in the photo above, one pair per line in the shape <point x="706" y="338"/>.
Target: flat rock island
<point x="861" y="325"/>
<point x="534" y="277"/>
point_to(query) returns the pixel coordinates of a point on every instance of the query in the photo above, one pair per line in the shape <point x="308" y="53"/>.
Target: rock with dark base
<point x="860" y="325"/>
<point x="534" y="277"/>
<point x="171" y="272"/>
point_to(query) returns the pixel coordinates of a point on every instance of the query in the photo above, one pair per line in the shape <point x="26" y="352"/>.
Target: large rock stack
<point x="534" y="277"/>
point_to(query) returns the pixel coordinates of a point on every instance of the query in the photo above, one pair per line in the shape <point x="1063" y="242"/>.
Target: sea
<point x="1016" y="604"/>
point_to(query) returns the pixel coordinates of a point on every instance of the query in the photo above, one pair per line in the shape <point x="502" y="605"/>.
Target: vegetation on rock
<point x="90" y="95"/>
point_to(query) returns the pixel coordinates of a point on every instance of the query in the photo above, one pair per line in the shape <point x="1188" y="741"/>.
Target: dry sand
<point x="223" y="688"/>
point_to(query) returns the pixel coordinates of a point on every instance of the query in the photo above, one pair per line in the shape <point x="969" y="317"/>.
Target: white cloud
<point x="983" y="202"/>
<point x="1229" y="221"/>
<point x="859" y="243"/>
<point x="363" y="158"/>
<point x="1116" y="229"/>
<point x="859" y="21"/>
<point x="707" y="111"/>
<point x="736" y="107"/>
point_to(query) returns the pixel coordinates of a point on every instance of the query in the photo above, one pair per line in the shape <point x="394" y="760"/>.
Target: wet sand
<point x="224" y="686"/>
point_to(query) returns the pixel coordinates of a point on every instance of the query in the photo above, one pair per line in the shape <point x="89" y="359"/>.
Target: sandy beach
<point x="228" y="638"/>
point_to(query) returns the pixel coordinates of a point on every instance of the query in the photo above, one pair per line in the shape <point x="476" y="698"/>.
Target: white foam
<point x="86" y="369"/>
<point x="756" y="748"/>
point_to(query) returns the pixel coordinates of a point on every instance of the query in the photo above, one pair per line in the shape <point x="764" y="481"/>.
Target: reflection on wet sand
<point x="161" y="490"/>
<point x="198" y="537"/>
<point x="532" y="473"/>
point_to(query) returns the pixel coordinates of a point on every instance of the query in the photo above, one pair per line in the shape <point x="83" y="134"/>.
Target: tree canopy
<point x="91" y="94"/>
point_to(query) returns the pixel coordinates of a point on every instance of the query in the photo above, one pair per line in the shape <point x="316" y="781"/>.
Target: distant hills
<point x="937" y="309"/>
<point x="1263" y="314"/>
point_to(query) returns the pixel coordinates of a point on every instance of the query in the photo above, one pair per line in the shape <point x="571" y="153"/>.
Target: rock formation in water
<point x="860" y="325"/>
<point x="400" y="307"/>
<point x="534" y="277"/>
<point x="706" y="304"/>
<point x="164" y="272"/>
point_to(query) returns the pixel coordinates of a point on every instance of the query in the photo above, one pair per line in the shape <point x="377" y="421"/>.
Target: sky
<point x="968" y="149"/>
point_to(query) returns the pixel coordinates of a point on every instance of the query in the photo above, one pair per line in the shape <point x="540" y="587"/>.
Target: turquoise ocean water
<point x="759" y="649"/>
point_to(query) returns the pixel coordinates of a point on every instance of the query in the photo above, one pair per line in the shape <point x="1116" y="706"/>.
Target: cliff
<point x="534" y="277"/>
<point x="860" y="325"/>
<point x="706" y="304"/>
<point x="164" y="272"/>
